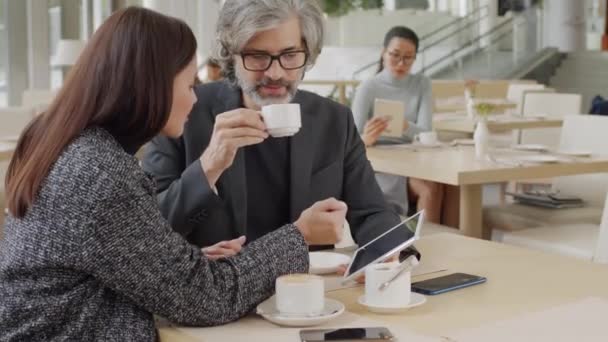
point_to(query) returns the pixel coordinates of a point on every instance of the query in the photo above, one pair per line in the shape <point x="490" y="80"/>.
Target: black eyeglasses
<point x="395" y="58"/>
<point x="288" y="60"/>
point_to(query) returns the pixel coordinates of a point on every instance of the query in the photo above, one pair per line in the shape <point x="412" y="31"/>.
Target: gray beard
<point x="251" y="90"/>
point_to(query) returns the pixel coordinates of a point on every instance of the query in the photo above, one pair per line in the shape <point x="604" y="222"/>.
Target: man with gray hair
<point x="226" y="177"/>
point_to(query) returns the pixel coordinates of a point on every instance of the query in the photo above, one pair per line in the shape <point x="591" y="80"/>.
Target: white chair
<point x="446" y="90"/>
<point x="14" y="119"/>
<point x="515" y="93"/>
<point x="494" y="89"/>
<point x="583" y="241"/>
<point x="580" y="132"/>
<point x="550" y="104"/>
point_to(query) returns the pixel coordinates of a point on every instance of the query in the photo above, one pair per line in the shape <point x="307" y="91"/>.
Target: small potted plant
<point x="482" y="134"/>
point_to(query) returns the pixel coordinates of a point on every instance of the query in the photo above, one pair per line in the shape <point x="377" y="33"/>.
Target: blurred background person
<point x="214" y="71"/>
<point x="394" y="81"/>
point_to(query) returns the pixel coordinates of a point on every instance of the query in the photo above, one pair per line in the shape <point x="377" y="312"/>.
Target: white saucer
<point x="433" y="145"/>
<point x="268" y="310"/>
<point x="530" y="147"/>
<point x="326" y="262"/>
<point x="538" y="159"/>
<point x="416" y="299"/>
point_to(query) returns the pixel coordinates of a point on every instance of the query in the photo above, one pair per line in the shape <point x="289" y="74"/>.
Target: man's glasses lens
<point x="289" y="60"/>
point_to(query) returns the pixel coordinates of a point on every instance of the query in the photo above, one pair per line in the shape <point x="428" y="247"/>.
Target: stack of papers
<point x="547" y="200"/>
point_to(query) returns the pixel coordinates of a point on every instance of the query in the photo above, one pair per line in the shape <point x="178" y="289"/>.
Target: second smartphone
<point x="446" y="283"/>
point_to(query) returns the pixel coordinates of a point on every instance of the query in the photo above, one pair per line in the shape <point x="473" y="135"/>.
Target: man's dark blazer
<point x="327" y="159"/>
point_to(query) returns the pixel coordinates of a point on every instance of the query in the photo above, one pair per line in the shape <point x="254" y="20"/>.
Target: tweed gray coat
<point x="93" y="259"/>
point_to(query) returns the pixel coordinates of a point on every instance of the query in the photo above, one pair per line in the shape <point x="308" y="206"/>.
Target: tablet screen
<point x="394" y="240"/>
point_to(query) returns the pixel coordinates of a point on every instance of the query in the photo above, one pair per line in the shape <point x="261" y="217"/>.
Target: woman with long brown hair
<point x="86" y="253"/>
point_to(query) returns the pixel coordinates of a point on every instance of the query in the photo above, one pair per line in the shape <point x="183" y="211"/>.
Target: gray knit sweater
<point x="415" y="91"/>
<point x="93" y="259"/>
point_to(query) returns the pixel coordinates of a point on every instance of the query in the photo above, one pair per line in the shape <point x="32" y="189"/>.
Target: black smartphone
<point x="446" y="283"/>
<point x="347" y="334"/>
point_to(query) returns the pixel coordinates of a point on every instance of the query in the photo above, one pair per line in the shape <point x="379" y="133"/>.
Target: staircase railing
<point x="490" y="38"/>
<point x="468" y="20"/>
<point x="456" y="53"/>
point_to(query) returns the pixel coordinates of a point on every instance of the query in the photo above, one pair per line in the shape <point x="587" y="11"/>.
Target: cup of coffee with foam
<point x="282" y="120"/>
<point x="300" y="294"/>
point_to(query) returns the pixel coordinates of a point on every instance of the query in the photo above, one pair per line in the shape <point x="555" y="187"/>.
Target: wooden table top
<point x="458" y="103"/>
<point x="459" y="166"/>
<point x="502" y="123"/>
<point x="519" y="281"/>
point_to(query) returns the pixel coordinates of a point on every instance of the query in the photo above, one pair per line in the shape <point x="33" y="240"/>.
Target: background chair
<point x="581" y="132"/>
<point x="515" y="93"/>
<point x="446" y="90"/>
<point x="582" y="240"/>
<point x="487" y="89"/>
<point x="551" y="105"/>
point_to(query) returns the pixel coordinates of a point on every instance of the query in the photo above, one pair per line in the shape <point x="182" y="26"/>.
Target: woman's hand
<point x="373" y="129"/>
<point x="224" y="249"/>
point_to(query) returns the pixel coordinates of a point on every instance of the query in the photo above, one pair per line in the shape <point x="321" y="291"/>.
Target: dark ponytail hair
<point x="398" y="32"/>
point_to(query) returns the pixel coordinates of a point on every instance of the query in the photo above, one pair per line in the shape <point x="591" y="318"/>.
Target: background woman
<point x="395" y="82"/>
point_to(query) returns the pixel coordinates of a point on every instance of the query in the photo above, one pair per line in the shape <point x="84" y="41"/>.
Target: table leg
<point x="342" y="89"/>
<point x="471" y="211"/>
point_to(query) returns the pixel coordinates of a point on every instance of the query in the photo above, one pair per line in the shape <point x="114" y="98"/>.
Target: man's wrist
<point x="303" y="230"/>
<point x="211" y="173"/>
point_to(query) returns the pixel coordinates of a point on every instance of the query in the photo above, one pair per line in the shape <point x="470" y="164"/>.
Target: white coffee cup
<point x="426" y="138"/>
<point x="398" y="292"/>
<point x="300" y="294"/>
<point x="283" y="119"/>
